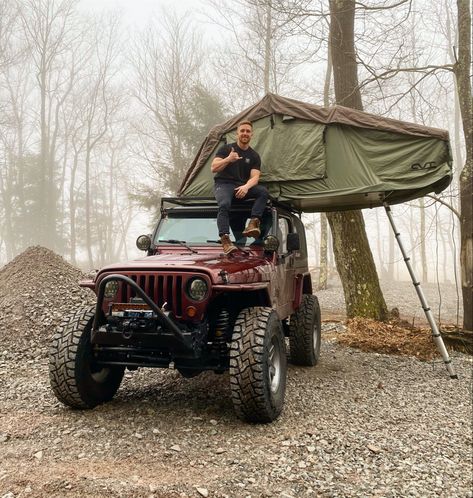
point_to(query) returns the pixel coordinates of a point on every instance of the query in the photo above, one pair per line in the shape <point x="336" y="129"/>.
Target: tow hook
<point x="127" y="330"/>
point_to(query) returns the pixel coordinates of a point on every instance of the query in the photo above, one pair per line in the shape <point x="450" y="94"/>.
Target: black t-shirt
<point x="237" y="172"/>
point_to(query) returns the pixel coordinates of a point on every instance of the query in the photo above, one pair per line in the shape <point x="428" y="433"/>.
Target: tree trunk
<point x="443" y="237"/>
<point x="6" y="196"/>
<point x="423" y="250"/>
<point x="72" y="209"/>
<point x="323" y="274"/>
<point x="267" y="48"/>
<point x="462" y="69"/>
<point x="88" y="201"/>
<point x="391" y="256"/>
<point x="44" y="157"/>
<point x="354" y="260"/>
<point x="363" y="296"/>
<point x="379" y="247"/>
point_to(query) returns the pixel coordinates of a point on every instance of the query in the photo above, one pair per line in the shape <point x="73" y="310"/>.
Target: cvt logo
<point x="427" y="165"/>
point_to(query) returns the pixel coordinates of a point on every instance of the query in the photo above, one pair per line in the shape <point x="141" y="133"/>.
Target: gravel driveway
<point x="358" y="424"/>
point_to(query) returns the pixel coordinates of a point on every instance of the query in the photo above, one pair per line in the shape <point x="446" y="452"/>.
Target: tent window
<point x="293" y="149"/>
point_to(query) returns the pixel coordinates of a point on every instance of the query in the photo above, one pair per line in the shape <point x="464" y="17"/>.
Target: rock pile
<point x="37" y="289"/>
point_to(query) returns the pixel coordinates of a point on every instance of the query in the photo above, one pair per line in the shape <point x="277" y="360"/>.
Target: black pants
<point x="225" y="194"/>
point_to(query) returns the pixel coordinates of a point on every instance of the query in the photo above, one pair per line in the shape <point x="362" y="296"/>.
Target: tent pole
<point x="428" y="313"/>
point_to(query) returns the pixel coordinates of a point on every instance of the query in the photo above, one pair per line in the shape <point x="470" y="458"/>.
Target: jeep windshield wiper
<point x="180" y="242"/>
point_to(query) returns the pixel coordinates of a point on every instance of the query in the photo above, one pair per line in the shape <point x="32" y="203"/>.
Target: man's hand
<point x="240" y="192"/>
<point x="233" y="156"/>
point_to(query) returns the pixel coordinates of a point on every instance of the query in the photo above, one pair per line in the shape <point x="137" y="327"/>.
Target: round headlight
<point x="143" y="242"/>
<point x="197" y="289"/>
<point x="111" y="289"/>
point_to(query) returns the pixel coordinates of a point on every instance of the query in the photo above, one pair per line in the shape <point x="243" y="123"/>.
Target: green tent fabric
<point x="327" y="159"/>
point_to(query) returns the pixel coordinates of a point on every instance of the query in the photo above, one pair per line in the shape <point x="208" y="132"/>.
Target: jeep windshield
<point x="200" y="228"/>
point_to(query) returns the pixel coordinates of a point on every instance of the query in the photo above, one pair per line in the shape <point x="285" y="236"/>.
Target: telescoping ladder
<point x="428" y="312"/>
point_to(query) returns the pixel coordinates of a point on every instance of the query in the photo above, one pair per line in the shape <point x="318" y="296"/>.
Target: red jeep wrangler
<point x="186" y="305"/>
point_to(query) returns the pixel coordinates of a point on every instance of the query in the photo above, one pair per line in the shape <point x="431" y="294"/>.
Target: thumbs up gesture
<point x="233" y="156"/>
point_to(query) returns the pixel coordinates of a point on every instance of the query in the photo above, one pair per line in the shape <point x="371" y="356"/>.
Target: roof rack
<point x="210" y="202"/>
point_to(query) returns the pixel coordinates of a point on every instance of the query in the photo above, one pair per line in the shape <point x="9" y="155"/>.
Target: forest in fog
<point x="99" y="118"/>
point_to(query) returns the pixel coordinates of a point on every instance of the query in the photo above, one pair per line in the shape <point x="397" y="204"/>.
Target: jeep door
<point x="285" y="267"/>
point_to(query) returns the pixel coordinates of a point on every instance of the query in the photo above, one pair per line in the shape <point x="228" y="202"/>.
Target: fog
<point x="104" y="104"/>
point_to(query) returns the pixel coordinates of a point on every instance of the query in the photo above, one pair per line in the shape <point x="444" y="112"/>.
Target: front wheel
<point x="75" y="379"/>
<point x="258" y="365"/>
<point x="305" y="332"/>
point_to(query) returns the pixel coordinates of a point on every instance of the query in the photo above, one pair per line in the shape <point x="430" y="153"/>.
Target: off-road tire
<point x="304" y="333"/>
<point x="72" y="375"/>
<point x="258" y="365"/>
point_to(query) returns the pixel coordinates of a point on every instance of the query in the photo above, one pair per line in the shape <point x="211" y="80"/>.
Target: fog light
<point x="271" y="243"/>
<point x="143" y="242"/>
<point x="111" y="289"/>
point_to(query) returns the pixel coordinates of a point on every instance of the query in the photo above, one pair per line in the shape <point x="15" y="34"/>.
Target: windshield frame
<point x="210" y="213"/>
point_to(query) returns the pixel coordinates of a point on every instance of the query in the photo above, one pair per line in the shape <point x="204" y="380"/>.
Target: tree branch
<point x="437" y="199"/>
<point x="386" y="7"/>
<point x="390" y="73"/>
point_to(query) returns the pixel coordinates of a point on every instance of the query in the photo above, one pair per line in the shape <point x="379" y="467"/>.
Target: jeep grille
<point x="164" y="288"/>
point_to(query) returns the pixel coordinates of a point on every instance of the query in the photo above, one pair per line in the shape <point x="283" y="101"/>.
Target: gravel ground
<point x="358" y="424"/>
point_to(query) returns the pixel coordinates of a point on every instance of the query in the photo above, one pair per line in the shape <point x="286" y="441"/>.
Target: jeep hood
<point x="242" y="266"/>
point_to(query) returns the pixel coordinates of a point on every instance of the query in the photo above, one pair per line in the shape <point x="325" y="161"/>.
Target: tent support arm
<point x="428" y="312"/>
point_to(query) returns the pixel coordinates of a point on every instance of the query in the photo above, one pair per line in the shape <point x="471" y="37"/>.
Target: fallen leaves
<point x="388" y="338"/>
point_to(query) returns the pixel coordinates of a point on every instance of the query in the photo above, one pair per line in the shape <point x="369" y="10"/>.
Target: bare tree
<point x="48" y="28"/>
<point x="100" y="105"/>
<point x="168" y="60"/>
<point x="355" y="264"/>
<point x="14" y="90"/>
<point x="13" y="178"/>
<point x="262" y="51"/>
<point x="323" y="275"/>
<point x="462" y="70"/>
<point x="59" y="100"/>
<point x="88" y="117"/>
<point x="9" y="50"/>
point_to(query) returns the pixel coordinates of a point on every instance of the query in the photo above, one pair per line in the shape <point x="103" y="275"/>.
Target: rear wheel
<point x="304" y="332"/>
<point x="75" y="379"/>
<point x="258" y="365"/>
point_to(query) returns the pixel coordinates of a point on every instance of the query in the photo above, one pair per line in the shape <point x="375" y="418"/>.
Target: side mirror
<point x="293" y="242"/>
<point x="143" y="242"/>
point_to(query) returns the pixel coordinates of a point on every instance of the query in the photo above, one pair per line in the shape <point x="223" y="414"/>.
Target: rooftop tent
<point x="326" y="159"/>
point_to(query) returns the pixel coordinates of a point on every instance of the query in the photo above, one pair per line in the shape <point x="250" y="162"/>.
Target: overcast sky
<point x="138" y="12"/>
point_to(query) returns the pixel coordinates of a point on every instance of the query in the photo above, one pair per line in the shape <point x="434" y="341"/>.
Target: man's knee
<point x="261" y="192"/>
<point x="224" y="204"/>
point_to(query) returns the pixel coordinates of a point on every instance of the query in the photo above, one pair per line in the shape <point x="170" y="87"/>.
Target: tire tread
<point x="301" y="328"/>
<point x="247" y="384"/>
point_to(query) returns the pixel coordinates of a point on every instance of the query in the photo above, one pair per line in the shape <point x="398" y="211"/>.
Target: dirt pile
<point x="389" y="338"/>
<point x="37" y="289"/>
